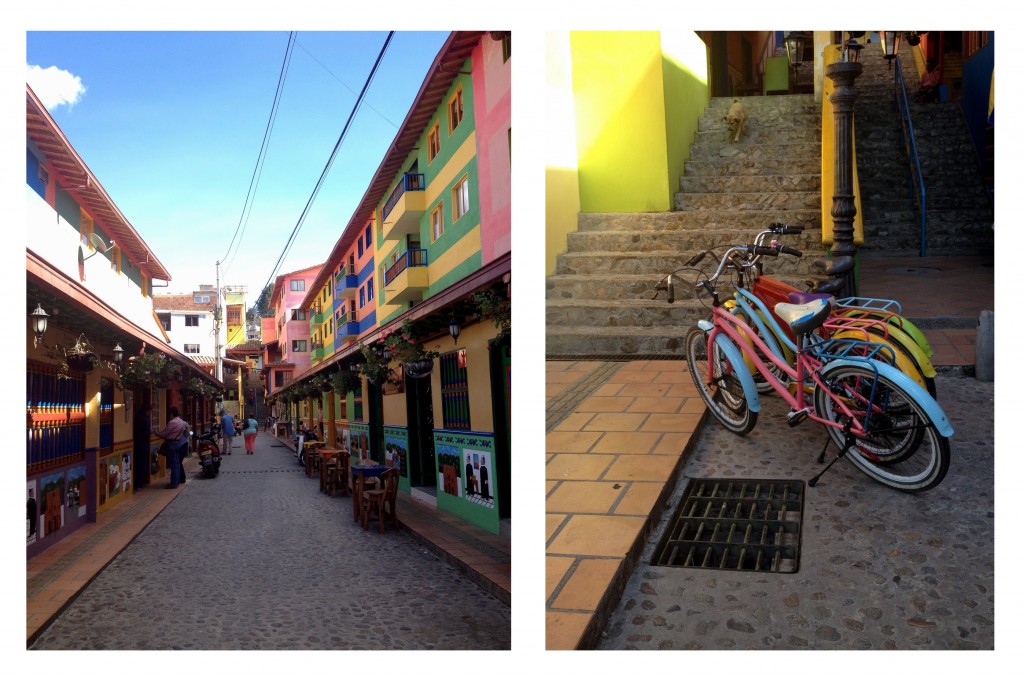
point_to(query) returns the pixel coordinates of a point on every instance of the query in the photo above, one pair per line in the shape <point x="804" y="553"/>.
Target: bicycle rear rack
<point x="852" y="349"/>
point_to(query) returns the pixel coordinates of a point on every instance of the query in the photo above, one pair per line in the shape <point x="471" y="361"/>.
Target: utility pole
<point x="219" y="368"/>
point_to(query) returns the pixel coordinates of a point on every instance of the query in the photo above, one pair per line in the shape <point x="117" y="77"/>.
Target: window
<point x="362" y="296"/>
<point x="455" y="110"/>
<point x="436" y="222"/>
<point x="115" y="258"/>
<point x="455" y="390"/>
<point x="369" y="288"/>
<point x="506" y="47"/>
<point x="165" y="320"/>
<point x="297" y="285"/>
<point x="200" y="299"/>
<point x="235" y="315"/>
<point x="434" y="142"/>
<point x="299" y="346"/>
<point x="192" y="348"/>
<point x="369" y="236"/>
<point x="359" y="246"/>
<point x="460" y="198"/>
<point x="191" y="320"/>
<point x="85" y="226"/>
<point x="299" y="314"/>
<point x="278" y="379"/>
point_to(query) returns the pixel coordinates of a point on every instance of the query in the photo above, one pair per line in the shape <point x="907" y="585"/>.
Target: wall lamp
<point x="38" y="318"/>
<point x="454" y="328"/>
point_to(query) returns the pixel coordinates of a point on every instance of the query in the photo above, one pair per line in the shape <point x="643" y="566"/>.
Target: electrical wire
<point x="243" y="220"/>
<point x="330" y="161"/>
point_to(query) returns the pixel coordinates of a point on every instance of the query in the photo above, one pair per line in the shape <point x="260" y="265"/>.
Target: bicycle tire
<point x="724" y="395"/>
<point x="902" y="448"/>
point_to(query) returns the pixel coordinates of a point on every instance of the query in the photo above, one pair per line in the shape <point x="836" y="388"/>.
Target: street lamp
<point x="38" y="318"/>
<point x="454" y="329"/>
<point x="844" y="209"/>
<point x="794" y="43"/>
<point x="891" y="45"/>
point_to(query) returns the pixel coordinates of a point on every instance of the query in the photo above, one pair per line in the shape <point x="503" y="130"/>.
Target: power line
<point x="330" y="161"/>
<point x="243" y="220"/>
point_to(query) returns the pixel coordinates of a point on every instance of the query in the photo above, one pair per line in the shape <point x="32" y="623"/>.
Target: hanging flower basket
<point x="149" y="370"/>
<point x="321" y="384"/>
<point x="83" y="361"/>
<point x="419" y="368"/>
<point x="491" y="306"/>
<point x="376" y="369"/>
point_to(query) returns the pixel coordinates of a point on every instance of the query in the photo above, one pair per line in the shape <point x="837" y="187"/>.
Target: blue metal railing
<point x="909" y="142"/>
<point x="411" y="257"/>
<point x="408" y="182"/>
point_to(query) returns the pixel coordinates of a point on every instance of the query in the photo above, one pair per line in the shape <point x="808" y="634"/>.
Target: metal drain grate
<point x="740" y="525"/>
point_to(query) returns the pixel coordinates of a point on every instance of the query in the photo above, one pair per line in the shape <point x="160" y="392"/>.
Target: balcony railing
<point x="346" y="282"/>
<point x="409" y="259"/>
<point x="408" y="182"/>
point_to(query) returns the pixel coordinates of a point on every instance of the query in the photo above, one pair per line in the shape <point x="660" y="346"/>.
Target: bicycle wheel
<point x="902" y="448"/>
<point x="721" y="392"/>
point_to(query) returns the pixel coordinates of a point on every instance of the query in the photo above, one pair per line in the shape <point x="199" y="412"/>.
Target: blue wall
<point x="977" y="80"/>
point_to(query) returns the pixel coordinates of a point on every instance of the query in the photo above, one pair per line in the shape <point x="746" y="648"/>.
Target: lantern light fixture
<point x="38" y="318"/>
<point x="454" y="329"/>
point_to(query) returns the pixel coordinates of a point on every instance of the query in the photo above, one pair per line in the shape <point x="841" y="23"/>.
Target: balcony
<point x="404" y="207"/>
<point x="348" y="330"/>
<point x="346" y="283"/>
<point x="407" y="278"/>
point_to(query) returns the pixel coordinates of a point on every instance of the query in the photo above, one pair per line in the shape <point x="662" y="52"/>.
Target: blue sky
<point x="171" y="124"/>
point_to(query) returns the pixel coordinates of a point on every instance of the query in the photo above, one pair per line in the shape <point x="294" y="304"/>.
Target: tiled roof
<point x="247" y="347"/>
<point x="184" y="302"/>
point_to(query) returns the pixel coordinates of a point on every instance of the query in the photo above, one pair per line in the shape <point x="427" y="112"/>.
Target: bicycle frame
<point x="729" y="329"/>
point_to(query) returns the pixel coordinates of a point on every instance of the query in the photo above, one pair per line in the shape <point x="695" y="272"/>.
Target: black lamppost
<point x="840" y="269"/>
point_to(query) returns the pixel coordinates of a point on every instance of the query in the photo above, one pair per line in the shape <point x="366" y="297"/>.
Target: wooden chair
<point x="360" y="485"/>
<point x="337" y="482"/>
<point x="375" y="500"/>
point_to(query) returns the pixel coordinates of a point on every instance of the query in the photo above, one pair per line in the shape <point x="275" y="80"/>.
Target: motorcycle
<point x="209" y="452"/>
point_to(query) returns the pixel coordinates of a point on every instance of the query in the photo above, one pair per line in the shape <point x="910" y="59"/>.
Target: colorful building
<point x="425" y="266"/>
<point x="89" y="275"/>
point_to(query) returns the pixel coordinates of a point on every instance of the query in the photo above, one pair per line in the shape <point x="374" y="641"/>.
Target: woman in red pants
<point x="249" y="434"/>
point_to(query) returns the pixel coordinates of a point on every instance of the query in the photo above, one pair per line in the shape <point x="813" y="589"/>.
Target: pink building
<point x="291" y="322"/>
<point x="492" y="100"/>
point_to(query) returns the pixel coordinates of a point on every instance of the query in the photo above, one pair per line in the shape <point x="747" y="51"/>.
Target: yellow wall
<point x="561" y="176"/>
<point x="474" y="339"/>
<point x="629" y="102"/>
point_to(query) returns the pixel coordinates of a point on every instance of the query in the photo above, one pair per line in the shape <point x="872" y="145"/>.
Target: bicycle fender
<point x="930" y="406"/>
<point x="739" y="367"/>
<point x="917" y="354"/>
<point x="903" y="363"/>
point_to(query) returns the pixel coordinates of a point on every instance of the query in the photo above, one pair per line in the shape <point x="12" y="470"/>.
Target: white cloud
<point x="54" y="86"/>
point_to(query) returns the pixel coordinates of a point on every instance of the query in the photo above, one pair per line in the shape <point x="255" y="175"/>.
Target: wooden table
<point x="311" y="450"/>
<point x="359" y="472"/>
<point x="328" y="456"/>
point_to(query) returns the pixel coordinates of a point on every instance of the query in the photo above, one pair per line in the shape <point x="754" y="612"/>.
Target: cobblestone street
<point x="258" y="558"/>
<point x="879" y="569"/>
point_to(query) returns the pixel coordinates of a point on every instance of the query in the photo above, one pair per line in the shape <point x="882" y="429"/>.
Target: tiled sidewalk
<point x="614" y="444"/>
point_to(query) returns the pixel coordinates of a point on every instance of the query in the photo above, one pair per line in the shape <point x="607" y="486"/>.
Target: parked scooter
<point x="209" y="452"/>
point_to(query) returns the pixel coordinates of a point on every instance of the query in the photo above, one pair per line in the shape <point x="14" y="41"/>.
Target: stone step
<point x="676" y="241"/>
<point x="627" y="313"/>
<point x="663" y="262"/>
<point x="775" y="155"/>
<point x="749" y="223"/>
<point x="665" y="340"/>
<point x="761" y="183"/>
<point x="750" y="166"/>
<point x="795" y="103"/>
<point x="628" y="288"/>
<point x="802" y="127"/>
<point x="748" y="201"/>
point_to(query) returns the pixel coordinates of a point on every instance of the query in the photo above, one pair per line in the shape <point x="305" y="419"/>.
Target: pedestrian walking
<point x="176" y="434"/>
<point x="227" y="429"/>
<point x="249" y="434"/>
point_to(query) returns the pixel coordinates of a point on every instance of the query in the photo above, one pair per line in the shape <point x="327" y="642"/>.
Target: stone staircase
<point x="599" y="301"/>
<point x="959" y="207"/>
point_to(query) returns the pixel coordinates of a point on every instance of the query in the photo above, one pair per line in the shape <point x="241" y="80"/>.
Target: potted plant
<point x="376" y="368"/>
<point x="149" y="369"/>
<point x="320" y="384"/>
<point x="492" y="306"/>
<point x="80" y="356"/>
<point x="345" y="381"/>
<point x="403" y="345"/>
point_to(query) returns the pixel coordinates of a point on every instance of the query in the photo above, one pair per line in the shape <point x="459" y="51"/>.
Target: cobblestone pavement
<point x="879" y="569"/>
<point x="258" y="558"/>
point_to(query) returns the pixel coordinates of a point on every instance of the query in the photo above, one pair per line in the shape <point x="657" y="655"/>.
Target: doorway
<point x="420" y="415"/>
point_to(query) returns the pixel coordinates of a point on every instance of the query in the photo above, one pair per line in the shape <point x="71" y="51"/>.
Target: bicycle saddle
<point x="804" y="317"/>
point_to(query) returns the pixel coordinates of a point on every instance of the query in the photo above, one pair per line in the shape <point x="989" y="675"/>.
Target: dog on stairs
<point x="736" y="119"/>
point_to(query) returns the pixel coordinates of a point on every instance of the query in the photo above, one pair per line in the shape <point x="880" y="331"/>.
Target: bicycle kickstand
<point x="848" y="441"/>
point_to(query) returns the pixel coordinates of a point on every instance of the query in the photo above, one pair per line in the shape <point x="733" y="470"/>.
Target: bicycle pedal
<point x="795" y="418"/>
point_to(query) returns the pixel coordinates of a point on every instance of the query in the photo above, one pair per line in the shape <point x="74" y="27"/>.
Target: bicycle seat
<point x="799" y="297"/>
<point x="804" y="317"/>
